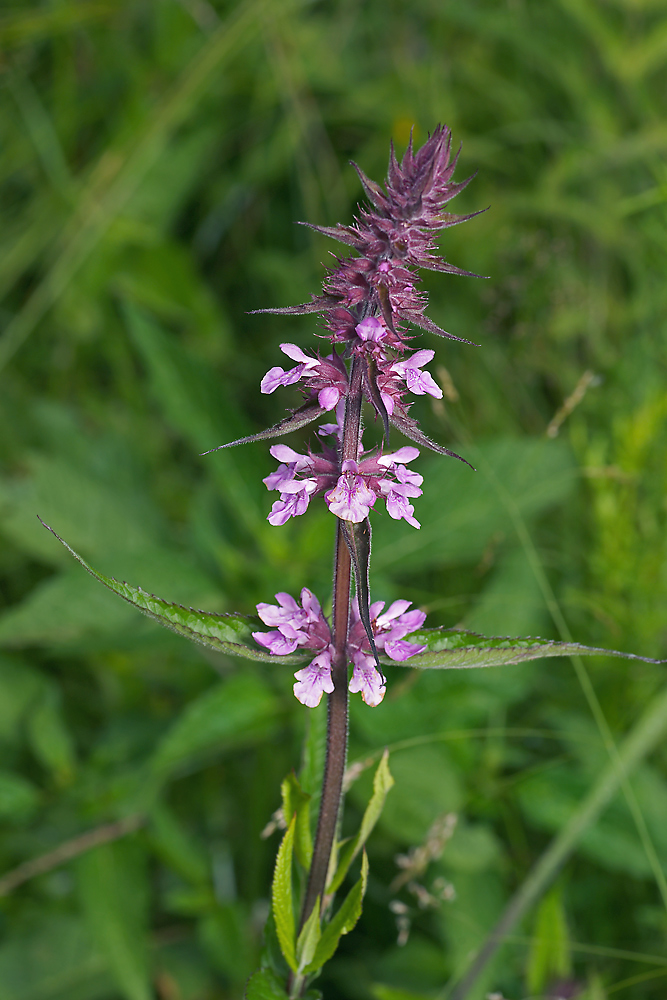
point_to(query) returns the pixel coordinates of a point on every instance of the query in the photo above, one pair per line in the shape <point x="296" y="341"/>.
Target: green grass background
<point x="153" y="159"/>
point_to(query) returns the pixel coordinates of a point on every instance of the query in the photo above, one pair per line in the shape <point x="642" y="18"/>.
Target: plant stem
<point x="336" y="752"/>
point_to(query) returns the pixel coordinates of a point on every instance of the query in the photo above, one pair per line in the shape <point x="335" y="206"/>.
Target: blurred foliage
<point x="154" y="159"/>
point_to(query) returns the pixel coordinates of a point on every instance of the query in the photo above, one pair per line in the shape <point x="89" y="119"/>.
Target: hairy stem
<point x="336" y="752"/>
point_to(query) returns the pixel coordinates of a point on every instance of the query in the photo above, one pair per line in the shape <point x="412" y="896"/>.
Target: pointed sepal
<point x="370" y="373"/>
<point x="372" y="189"/>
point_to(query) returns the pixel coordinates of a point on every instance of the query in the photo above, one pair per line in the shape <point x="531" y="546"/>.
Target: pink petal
<point x="314" y="680"/>
<point x="399" y="649"/>
<point x="407" y="454"/>
<point x="367" y="680"/>
<point x="328" y="397"/>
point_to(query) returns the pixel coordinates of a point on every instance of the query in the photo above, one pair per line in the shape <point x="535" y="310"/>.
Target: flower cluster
<point x="350" y="490"/>
<point x="304" y="626"/>
<point x="368" y="298"/>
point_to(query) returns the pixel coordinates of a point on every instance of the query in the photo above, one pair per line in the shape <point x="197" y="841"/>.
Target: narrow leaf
<point x="227" y="633"/>
<point x="296" y="802"/>
<point x="382" y="785"/>
<point x="406" y="425"/>
<point x="422" y="320"/>
<point x="319" y="303"/>
<point x="344" y="234"/>
<point x="454" y="649"/>
<point x="294" y="422"/>
<point x="358" y="539"/>
<point x="343" y="922"/>
<point x="282" y="900"/>
<point x="265" y="985"/>
<point x="309" y="938"/>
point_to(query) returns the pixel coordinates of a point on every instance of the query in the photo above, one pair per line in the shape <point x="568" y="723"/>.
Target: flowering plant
<point x="369" y="302"/>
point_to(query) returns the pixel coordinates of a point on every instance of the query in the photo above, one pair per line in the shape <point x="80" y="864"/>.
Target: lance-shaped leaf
<point x="294" y="422"/>
<point x="382" y="785"/>
<point x="422" y="320"/>
<point x="406" y="425"/>
<point x="344" y="234"/>
<point x="282" y="898"/>
<point x="265" y="985"/>
<point x="309" y="938"/>
<point x="228" y="633"/>
<point x="453" y="649"/>
<point x="296" y="802"/>
<point x="318" y="304"/>
<point x="343" y="921"/>
<point x="358" y="539"/>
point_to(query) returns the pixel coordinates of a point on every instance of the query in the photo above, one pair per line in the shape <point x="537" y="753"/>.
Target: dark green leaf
<point x="227" y="633"/>
<point x="454" y="649"/>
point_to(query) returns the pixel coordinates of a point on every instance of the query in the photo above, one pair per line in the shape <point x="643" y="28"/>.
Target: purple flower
<point x="294" y="500"/>
<point x="371" y="329"/>
<point x="366" y="679"/>
<point x="350" y="499"/>
<point x="327" y="378"/>
<point x="304" y="626"/>
<point x="314" y="680"/>
<point x="416" y="380"/>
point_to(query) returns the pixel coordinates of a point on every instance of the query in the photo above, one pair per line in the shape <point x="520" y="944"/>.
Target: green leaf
<point x="56" y="959"/>
<point x="265" y="985"/>
<point x="113" y="881"/>
<point x="309" y="938"/>
<point x="382" y="784"/>
<point x="227" y="633"/>
<point x="18" y="797"/>
<point x="296" y="802"/>
<point x="449" y="649"/>
<point x="282" y="899"/>
<point x="549" y="956"/>
<point x="177" y="846"/>
<point x="231" y="713"/>
<point x="49" y="737"/>
<point x="343" y="922"/>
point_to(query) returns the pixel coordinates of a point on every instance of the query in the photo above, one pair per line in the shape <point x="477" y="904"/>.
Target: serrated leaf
<point x="296" y="802"/>
<point x="282" y="899"/>
<point x="227" y="633"/>
<point x="343" y="921"/>
<point x="265" y="985"/>
<point x="451" y="649"/>
<point x="382" y="784"/>
<point x="309" y="938"/>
